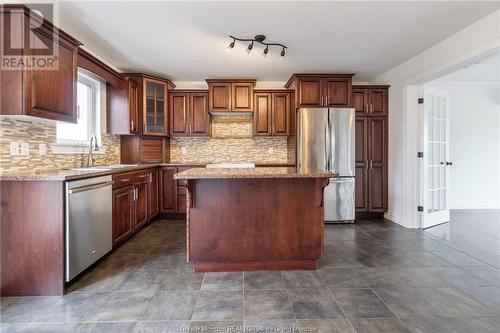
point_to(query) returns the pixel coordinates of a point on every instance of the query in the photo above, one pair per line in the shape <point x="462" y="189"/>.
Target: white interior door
<point x="436" y="161"/>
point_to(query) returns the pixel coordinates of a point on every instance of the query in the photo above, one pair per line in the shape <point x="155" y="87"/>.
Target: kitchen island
<point x="254" y="218"/>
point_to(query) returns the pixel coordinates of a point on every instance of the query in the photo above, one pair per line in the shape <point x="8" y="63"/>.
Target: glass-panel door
<point x="160" y="108"/>
<point x="436" y="158"/>
<point x="150" y="106"/>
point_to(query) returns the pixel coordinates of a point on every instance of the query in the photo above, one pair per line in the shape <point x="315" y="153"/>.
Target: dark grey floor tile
<point x="137" y="247"/>
<point x="219" y="305"/>
<point x="118" y="261"/>
<point x="361" y="303"/>
<point x="223" y="281"/>
<point x="144" y="280"/>
<point x="4" y="301"/>
<point x="394" y="259"/>
<point x="182" y="280"/>
<point x="336" y="277"/>
<point x="459" y="258"/>
<point x="75" y="307"/>
<point x="165" y="261"/>
<point x="453" y="325"/>
<point x="456" y="276"/>
<point x="38" y="328"/>
<point x="106" y="327"/>
<point x="29" y="309"/>
<point x="419" y="277"/>
<point x="169" y="249"/>
<point x="302" y="280"/>
<point x="431" y="302"/>
<point x="267" y="304"/>
<point x="325" y="326"/>
<point x="427" y="259"/>
<point x="381" y="277"/>
<point x="170" y="305"/>
<point x="487" y="296"/>
<point x="333" y="259"/>
<point x="263" y="280"/>
<point x="216" y="326"/>
<point x="314" y="304"/>
<point x="99" y="279"/>
<point x="122" y="306"/>
<point x="432" y="245"/>
<point x="489" y="274"/>
<point x="270" y="325"/>
<point x="176" y="326"/>
<point x="379" y="326"/>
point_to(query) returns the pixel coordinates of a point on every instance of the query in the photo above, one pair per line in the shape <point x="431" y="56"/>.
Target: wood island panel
<point x="255" y="224"/>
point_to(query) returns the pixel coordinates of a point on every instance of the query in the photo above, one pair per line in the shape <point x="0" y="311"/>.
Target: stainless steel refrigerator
<point x="326" y="142"/>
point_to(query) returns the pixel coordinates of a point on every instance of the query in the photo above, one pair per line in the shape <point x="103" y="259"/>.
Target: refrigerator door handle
<point x="326" y="147"/>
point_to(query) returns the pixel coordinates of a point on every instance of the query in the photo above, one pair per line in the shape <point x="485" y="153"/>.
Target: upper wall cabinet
<point x="139" y="106"/>
<point x="370" y="100"/>
<point x="321" y="90"/>
<point x="231" y="95"/>
<point x="188" y="113"/>
<point x="48" y="91"/>
<point x="273" y="112"/>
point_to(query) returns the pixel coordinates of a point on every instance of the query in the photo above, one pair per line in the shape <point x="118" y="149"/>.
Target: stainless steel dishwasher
<point x="88" y="234"/>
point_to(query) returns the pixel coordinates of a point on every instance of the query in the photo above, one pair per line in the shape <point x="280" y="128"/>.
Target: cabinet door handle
<point x="327" y="100"/>
<point x="371" y="108"/>
<point x="132" y="125"/>
<point x="322" y="102"/>
<point x="125" y="180"/>
<point x="371" y="165"/>
<point x="367" y="108"/>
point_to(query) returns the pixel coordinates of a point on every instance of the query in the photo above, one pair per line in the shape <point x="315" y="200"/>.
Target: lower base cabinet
<point x="173" y="193"/>
<point x="123" y="213"/>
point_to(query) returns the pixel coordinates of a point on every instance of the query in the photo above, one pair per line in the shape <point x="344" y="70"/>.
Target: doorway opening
<point x="460" y="144"/>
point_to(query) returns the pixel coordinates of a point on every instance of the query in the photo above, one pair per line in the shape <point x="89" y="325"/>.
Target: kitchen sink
<point x="104" y="167"/>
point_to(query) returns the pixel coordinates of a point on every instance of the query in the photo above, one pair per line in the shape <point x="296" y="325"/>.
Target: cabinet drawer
<point x="129" y="178"/>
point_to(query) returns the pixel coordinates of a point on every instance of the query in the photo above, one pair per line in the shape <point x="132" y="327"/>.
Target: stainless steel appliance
<point x="326" y="142"/>
<point x="88" y="234"/>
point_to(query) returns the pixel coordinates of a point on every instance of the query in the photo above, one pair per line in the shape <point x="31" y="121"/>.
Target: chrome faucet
<point x="93" y="146"/>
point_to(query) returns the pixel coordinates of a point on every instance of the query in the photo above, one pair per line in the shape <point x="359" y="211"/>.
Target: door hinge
<point x="421" y="100"/>
<point x="420" y="154"/>
<point x="420" y="208"/>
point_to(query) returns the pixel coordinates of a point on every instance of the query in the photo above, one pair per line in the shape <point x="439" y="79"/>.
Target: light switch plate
<point x="25" y="149"/>
<point x="271" y="150"/>
<point x="42" y="149"/>
<point x="14" y="148"/>
<point x="183" y="150"/>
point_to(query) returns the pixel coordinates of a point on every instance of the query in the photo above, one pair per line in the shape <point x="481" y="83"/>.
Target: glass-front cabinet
<point x="155" y="107"/>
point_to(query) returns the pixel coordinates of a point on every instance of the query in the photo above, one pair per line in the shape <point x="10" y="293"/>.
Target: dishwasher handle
<point x="90" y="187"/>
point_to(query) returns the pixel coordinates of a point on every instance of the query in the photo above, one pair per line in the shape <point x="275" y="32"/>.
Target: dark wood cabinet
<point x="123" y="109"/>
<point x="188" y="112"/>
<point x="272" y="114"/>
<point x="153" y="191"/>
<point x="321" y="90"/>
<point x="371" y="148"/>
<point x="141" y="202"/>
<point x="370" y="100"/>
<point x="45" y="93"/>
<point x="123" y="213"/>
<point x="168" y="190"/>
<point x="142" y="149"/>
<point x="230" y="95"/>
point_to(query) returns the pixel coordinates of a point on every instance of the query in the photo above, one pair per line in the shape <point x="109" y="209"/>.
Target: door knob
<point x="449" y="163"/>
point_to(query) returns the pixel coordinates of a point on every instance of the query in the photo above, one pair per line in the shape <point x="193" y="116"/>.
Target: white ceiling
<point x="486" y="70"/>
<point x="186" y="41"/>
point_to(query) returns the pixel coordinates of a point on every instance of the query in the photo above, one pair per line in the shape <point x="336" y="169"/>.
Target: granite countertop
<point x="227" y="173"/>
<point x="68" y="174"/>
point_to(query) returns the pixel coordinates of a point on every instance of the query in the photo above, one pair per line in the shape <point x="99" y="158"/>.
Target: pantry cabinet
<point x="321" y="90"/>
<point x="370" y="100"/>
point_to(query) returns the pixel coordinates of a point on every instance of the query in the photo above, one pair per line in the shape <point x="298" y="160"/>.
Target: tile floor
<point x="376" y="277"/>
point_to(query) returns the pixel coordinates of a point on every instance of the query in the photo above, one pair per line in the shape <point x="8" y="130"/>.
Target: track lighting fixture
<point x="249" y="48"/>
<point x="259" y="39"/>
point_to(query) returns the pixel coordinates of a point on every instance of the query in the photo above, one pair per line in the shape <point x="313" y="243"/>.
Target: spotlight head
<point x="282" y="54"/>
<point x="264" y="54"/>
<point x="249" y="48"/>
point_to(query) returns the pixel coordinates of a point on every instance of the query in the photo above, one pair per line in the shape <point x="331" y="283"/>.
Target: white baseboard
<point x="393" y="218"/>
<point x="474" y="205"/>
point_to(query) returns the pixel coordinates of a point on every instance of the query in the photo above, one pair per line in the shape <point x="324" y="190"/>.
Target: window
<point x="88" y="100"/>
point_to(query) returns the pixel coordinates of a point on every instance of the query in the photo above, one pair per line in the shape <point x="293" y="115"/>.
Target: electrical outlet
<point x="183" y="150"/>
<point x="42" y="149"/>
<point x="270" y="151"/>
<point x="14" y="148"/>
<point x="25" y="149"/>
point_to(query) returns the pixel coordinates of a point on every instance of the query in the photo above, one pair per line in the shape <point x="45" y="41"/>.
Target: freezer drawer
<point x="338" y="199"/>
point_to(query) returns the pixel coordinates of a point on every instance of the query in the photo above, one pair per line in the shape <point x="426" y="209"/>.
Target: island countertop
<point x="228" y="173"/>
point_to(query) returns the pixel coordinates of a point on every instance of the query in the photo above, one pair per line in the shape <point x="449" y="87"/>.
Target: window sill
<point x="62" y="148"/>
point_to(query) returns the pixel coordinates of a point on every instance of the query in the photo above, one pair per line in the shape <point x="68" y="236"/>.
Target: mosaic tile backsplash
<point x="231" y="141"/>
<point x="36" y="132"/>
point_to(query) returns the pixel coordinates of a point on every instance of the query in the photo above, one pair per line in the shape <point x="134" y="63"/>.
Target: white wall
<point x="474" y="144"/>
<point x="480" y="38"/>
